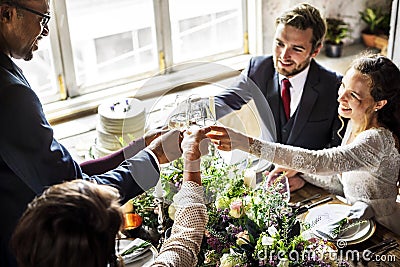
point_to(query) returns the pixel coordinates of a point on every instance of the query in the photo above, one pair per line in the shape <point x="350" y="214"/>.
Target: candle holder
<point x="159" y="200"/>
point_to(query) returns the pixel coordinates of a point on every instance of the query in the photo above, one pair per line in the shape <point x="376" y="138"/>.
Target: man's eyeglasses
<point x="45" y="17"/>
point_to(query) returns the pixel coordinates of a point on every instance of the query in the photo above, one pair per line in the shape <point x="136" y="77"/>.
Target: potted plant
<point x="336" y="31"/>
<point x="378" y="24"/>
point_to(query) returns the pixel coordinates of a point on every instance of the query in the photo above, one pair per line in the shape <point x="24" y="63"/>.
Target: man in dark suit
<point x="30" y="158"/>
<point x="310" y="118"/>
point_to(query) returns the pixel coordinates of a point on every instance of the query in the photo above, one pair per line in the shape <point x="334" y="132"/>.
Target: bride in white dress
<point x="366" y="166"/>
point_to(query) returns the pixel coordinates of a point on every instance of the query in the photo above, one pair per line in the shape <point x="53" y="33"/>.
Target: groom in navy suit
<point x="310" y="119"/>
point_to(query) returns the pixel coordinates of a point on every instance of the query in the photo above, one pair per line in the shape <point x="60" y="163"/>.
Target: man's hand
<point x="153" y="134"/>
<point x="296" y="182"/>
<point x="166" y="147"/>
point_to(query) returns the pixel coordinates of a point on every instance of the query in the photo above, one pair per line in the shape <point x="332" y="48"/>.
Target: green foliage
<point x="378" y="22"/>
<point x="336" y="31"/>
<point x="144" y="206"/>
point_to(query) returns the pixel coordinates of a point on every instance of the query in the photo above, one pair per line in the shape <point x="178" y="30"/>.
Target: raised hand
<point x="194" y="145"/>
<point x="167" y="147"/>
<point x="153" y="134"/>
<point x="227" y="139"/>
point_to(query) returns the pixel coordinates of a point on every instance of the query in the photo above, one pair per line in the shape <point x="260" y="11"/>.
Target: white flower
<point x="272" y="231"/>
<point x="267" y="240"/>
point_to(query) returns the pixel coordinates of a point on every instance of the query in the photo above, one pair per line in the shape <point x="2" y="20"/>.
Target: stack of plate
<point x="120" y="121"/>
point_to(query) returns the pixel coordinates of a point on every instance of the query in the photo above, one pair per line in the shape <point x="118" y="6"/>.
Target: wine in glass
<point x="177" y="121"/>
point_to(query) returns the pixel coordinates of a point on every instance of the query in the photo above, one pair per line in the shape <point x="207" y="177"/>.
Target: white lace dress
<point x="365" y="170"/>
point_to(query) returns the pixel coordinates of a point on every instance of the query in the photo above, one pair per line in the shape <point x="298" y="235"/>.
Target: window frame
<point x="70" y="92"/>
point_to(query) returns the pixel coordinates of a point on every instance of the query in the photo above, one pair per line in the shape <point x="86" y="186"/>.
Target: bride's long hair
<point x="385" y="85"/>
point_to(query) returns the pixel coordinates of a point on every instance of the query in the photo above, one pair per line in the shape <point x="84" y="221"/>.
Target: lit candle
<point x="158" y="190"/>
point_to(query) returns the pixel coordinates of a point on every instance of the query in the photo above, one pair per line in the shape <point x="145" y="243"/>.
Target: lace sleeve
<point x="182" y="247"/>
<point x="330" y="183"/>
<point x="364" y="153"/>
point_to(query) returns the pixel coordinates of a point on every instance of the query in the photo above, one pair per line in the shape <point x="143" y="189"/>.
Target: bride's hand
<point x="227" y="139"/>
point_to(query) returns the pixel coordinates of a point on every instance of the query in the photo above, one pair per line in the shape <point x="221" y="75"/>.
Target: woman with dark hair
<point x="365" y="168"/>
<point x="76" y="223"/>
<point x="71" y="224"/>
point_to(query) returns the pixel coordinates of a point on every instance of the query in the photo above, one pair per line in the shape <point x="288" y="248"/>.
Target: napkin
<point x="134" y="250"/>
<point x="357" y="213"/>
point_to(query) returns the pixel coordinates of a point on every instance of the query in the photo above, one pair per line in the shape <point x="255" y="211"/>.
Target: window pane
<point x="111" y="39"/>
<point x="39" y="72"/>
<point x="204" y="28"/>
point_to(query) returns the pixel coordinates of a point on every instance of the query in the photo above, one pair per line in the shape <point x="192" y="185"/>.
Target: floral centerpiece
<point x="249" y="224"/>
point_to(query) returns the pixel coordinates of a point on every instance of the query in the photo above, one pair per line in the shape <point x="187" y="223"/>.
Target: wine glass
<point x="177" y="121"/>
<point x="179" y="117"/>
<point x="192" y="112"/>
<point x="281" y="183"/>
<point x="199" y="112"/>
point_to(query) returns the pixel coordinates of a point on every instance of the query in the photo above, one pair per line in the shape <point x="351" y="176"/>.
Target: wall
<point x="347" y="9"/>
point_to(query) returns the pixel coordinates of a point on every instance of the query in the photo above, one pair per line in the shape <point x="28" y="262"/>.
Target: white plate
<point x="142" y="257"/>
<point x="328" y="213"/>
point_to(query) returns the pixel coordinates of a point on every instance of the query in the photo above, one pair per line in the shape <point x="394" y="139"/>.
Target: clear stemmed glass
<point x="281" y="183"/>
<point x="192" y="112"/>
<point x="179" y="119"/>
<point x="199" y="112"/>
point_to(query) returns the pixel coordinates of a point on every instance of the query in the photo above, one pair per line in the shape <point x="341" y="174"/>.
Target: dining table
<point x="386" y="257"/>
<point x="352" y="253"/>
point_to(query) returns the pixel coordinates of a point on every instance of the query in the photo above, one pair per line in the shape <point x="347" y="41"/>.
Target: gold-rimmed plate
<point x="329" y="213"/>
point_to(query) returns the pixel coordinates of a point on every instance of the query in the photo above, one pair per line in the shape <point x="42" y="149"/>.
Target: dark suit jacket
<point x="31" y="159"/>
<point x="316" y="120"/>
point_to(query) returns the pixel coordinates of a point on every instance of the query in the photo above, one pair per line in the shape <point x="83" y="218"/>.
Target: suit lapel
<point x="7" y="63"/>
<point x="309" y="97"/>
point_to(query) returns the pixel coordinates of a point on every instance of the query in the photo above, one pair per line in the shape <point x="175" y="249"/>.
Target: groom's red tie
<point x="286" y="97"/>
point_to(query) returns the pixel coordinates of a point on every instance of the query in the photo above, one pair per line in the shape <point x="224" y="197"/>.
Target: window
<point x="203" y="28"/>
<point x="98" y="44"/>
